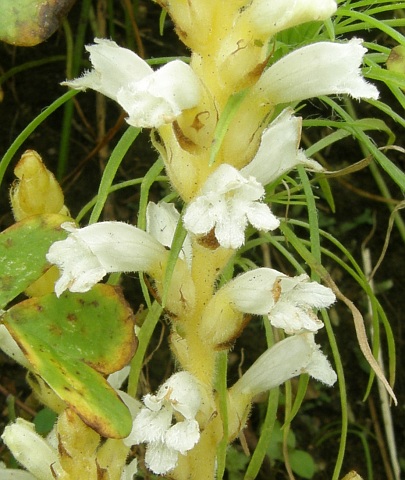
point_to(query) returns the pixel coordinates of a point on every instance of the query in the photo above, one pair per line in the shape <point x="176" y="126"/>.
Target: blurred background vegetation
<point x="75" y="142"/>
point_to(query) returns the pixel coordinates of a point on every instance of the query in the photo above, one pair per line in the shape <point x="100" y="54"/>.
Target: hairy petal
<point x="322" y="68"/>
<point x="278" y="151"/>
<point x="287" y="359"/>
<point x="30" y="449"/>
<point x="272" y="16"/>
<point x="160" y="458"/>
<point x="227" y="202"/>
<point x="87" y="254"/>
<point x="151" y="98"/>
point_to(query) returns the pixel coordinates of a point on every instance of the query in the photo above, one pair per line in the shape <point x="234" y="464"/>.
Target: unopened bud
<point x="37" y="190"/>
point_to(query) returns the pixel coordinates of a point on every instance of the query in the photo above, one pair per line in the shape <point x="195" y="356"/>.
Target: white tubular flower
<point x="179" y="397"/>
<point x="288" y="301"/>
<point x="89" y="253"/>
<point x="161" y="222"/>
<point x="31" y="450"/>
<point x="14" y="473"/>
<point x="11" y="348"/>
<point x="271" y="16"/>
<point x="287" y="359"/>
<point x="227" y="202"/>
<point x="278" y="151"/>
<point x="319" y="69"/>
<point x="151" y="98"/>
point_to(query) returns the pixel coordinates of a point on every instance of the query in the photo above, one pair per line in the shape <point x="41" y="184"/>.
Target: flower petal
<point x="161" y="222"/>
<point x="293" y="319"/>
<point x="319" y="69"/>
<point x="230" y="229"/>
<point x="91" y="252"/>
<point x="182" y="390"/>
<point x="160" y="458"/>
<point x="11" y="348"/>
<point x="287" y="359"/>
<point x="278" y="151"/>
<point x="151" y="98"/>
<point x="30" y="449"/>
<point x="228" y="200"/>
<point x="261" y="217"/>
<point x="272" y="16"/>
<point x="14" y="473"/>
<point x="130" y="470"/>
<point x="252" y="292"/>
<point x="200" y="217"/>
<point x="116" y="379"/>
<point x="301" y="291"/>
<point x="320" y="368"/>
<point x="183" y="436"/>
<point x="113" y="67"/>
<point x="160" y="97"/>
<point x="149" y="426"/>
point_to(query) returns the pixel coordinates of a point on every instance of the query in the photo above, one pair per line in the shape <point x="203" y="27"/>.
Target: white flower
<point x="14" y="473"/>
<point x="278" y="150"/>
<point x="161" y="222"/>
<point x="179" y="397"/>
<point x="319" y="69"/>
<point x="151" y="98"/>
<point x="89" y="253"/>
<point x="288" y="301"/>
<point x="11" y="348"/>
<point x="227" y="202"/>
<point x="130" y="470"/>
<point x="287" y="359"/>
<point x="31" y="450"/>
<point x="272" y="16"/>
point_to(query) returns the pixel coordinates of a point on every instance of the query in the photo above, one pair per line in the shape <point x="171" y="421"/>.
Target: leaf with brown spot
<point x="72" y="356"/>
<point x="23" y="247"/>
<point x="29" y="22"/>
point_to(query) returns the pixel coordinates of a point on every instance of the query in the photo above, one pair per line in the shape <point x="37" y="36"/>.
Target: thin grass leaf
<point x="117" y="156"/>
<point x="31" y="127"/>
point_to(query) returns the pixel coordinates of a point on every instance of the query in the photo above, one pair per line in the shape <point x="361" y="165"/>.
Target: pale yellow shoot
<point x="36" y="191"/>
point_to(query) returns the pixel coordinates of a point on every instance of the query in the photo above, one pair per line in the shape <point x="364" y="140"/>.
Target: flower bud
<point x="37" y="190"/>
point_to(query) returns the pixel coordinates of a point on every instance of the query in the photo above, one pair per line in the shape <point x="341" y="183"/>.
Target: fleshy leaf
<point x="71" y="341"/>
<point x="23" y="247"/>
<point x="29" y="22"/>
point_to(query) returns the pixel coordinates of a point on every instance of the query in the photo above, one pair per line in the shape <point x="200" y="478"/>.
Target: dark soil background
<point x="358" y="207"/>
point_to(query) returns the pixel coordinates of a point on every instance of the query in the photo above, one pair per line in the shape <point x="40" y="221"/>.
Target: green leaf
<point x="29" y="22"/>
<point x="23" y="247"/>
<point x="302" y="463"/>
<point x="71" y="341"/>
<point x="236" y="462"/>
<point x="224" y="121"/>
<point x="44" y="421"/>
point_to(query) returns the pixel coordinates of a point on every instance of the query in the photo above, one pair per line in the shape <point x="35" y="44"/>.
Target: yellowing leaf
<point x="71" y="342"/>
<point x="29" y="22"/>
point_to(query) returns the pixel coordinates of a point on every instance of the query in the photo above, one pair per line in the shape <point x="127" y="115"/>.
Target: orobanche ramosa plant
<point x="226" y="131"/>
